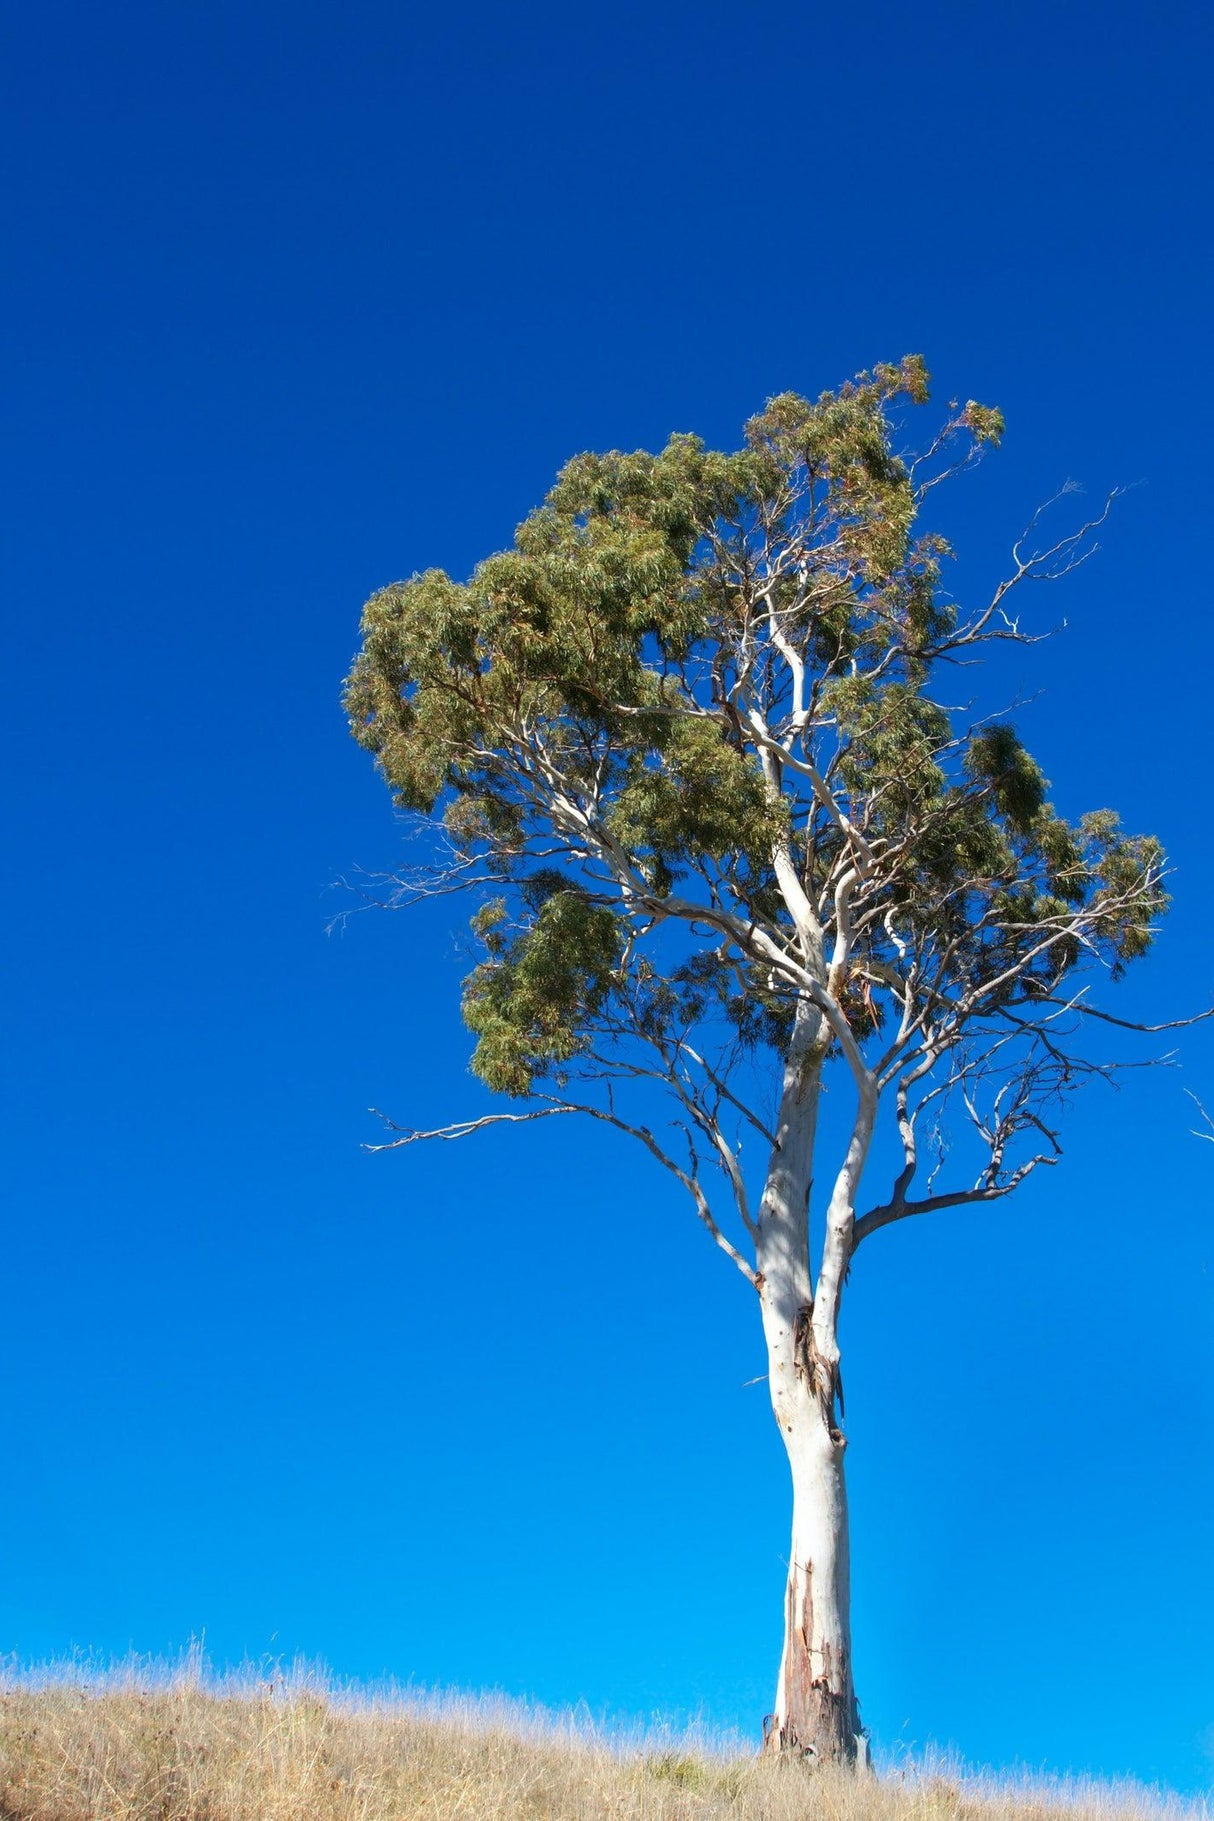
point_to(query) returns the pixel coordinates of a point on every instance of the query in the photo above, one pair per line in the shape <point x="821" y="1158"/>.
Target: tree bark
<point x="815" y="1713"/>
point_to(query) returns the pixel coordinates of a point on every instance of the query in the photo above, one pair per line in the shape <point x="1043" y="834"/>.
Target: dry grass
<point x="81" y="1747"/>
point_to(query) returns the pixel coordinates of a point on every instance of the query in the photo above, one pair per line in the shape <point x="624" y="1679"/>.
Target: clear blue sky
<point x="300" y="299"/>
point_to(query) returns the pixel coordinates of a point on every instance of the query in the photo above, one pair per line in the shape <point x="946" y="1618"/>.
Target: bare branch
<point x="1208" y="1135"/>
<point x="689" y="1180"/>
<point x="464" y="1128"/>
<point x="893" y="1210"/>
<point x="459" y="1128"/>
<point x="1124" y="1024"/>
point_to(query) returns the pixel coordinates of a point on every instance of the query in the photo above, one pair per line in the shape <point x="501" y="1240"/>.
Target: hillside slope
<point x="188" y="1753"/>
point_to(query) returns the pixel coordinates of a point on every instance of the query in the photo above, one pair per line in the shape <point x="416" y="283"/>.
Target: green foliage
<point x="1017" y="783"/>
<point x="527" y="1004"/>
<point x="697" y="668"/>
<point x="1120" y="868"/>
<point x="985" y="423"/>
<point x="695" y="796"/>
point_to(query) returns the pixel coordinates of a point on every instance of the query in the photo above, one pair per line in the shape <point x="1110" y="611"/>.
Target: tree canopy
<point x="687" y="737"/>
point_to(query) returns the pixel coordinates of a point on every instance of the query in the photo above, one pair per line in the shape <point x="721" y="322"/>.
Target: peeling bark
<point x="815" y="1713"/>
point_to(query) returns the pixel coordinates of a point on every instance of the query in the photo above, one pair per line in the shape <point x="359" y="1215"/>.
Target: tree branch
<point x="464" y="1128"/>
<point x="893" y="1210"/>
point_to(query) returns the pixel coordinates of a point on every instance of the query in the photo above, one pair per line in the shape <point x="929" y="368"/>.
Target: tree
<point x="685" y="743"/>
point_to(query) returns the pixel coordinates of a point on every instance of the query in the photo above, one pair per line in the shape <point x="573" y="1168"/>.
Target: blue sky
<point x="298" y="300"/>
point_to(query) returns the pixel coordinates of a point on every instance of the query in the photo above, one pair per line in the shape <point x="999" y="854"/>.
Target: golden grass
<point x="108" y="1748"/>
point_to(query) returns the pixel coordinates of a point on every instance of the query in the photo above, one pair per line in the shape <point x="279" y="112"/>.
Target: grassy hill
<point x="110" y="1749"/>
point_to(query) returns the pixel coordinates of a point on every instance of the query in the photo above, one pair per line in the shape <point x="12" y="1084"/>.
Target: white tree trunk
<point x="815" y="1710"/>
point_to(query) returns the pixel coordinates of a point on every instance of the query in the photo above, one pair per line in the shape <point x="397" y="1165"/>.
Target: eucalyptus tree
<point x="687" y="743"/>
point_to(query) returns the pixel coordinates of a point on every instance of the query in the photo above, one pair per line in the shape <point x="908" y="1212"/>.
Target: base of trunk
<point x="816" y="1712"/>
<point x="828" y="1731"/>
